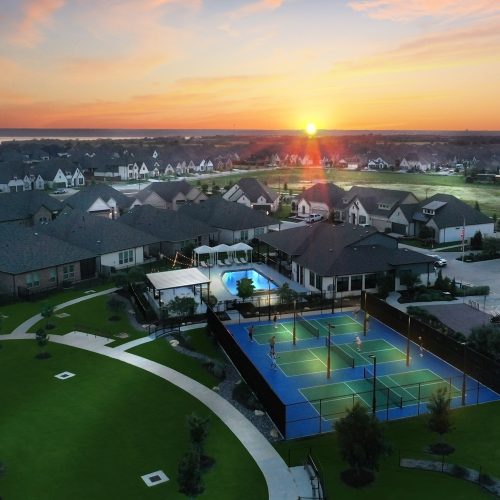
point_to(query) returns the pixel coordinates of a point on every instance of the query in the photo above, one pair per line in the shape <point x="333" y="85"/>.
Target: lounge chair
<point x="243" y="260"/>
<point x="203" y="264"/>
<point x="220" y="263"/>
<point x="228" y="262"/>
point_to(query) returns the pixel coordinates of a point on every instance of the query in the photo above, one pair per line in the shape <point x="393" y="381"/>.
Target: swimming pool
<point x="261" y="282"/>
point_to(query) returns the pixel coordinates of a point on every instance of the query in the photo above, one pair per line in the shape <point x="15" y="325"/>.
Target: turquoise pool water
<point x="261" y="282"/>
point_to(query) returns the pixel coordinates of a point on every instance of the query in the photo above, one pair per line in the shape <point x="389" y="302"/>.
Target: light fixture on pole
<point x="328" y="359"/>
<point x="374" y="396"/>
<point x="464" y="381"/>
<point x="294" y="333"/>
<point x="408" y="342"/>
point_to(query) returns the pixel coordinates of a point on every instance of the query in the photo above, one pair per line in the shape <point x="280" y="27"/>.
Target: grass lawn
<point x="20" y="311"/>
<point x="91" y="316"/>
<point x="94" y="435"/>
<point x="162" y="352"/>
<point x="476" y="446"/>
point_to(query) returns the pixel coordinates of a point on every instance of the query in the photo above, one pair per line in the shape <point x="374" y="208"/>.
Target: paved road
<point x="474" y="273"/>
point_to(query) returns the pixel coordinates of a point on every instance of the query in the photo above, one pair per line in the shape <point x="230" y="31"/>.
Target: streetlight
<point x="328" y="359"/>
<point x="464" y="344"/>
<point x="374" y="397"/>
<point x="408" y="342"/>
<point x="269" y="296"/>
<point x="294" y="315"/>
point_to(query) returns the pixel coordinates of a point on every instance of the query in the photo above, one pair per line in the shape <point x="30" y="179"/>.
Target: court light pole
<point x="374" y="396"/>
<point x="328" y="358"/>
<point x="464" y="344"/>
<point x="294" y="332"/>
<point x="269" y="297"/>
<point x="408" y="342"/>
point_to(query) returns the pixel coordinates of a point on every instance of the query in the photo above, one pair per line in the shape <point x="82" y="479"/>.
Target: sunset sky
<point x="250" y="64"/>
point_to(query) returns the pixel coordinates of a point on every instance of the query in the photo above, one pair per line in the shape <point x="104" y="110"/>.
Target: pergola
<point x="180" y="278"/>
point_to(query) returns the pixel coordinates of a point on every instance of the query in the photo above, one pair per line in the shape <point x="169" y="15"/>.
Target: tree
<point x="189" y="474"/>
<point x="426" y="233"/>
<point x="476" y="206"/>
<point x="361" y="444"/>
<point x="136" y="275"/>
<point x="182" y="306"/>
<point x="491" y="246"/>
<point x="439" y="412"/>
<point x="410" y="280"/>
<point x="476" y="242"/>
<point x="198" y="430"/>
<point x="385" y="284"/>
<point x="46" y="312"/>
<point x="438" y="284"/>
<point x="486" y="340"/>
<point x="245" y="288"/>
<point x="42" y="339"/>
<point x="286" y="294"/>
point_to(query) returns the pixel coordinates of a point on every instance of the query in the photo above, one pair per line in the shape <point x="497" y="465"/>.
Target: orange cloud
<point x="36" y="15"/>
<point x="256" y="7"/>
<point x="405" y="10"/>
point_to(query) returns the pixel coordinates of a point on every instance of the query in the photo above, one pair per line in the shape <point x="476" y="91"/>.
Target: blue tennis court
<point x="317" y="381"/>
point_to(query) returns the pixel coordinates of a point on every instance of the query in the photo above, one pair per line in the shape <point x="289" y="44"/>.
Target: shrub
<point x="50" y="326"/>
<point x="357" y="480"/>
<point x="243" y="395"/>
<point x="474" y="290"/>
<point x="216" y="368"/>
<point x="43" y="355"/>
<point x="486" y="479"/>
<point x="441" y="449"/>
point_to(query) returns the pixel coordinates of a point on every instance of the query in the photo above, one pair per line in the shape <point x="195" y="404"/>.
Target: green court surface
<point x="304" y="330"/>
<point x="314" y="359"/>
<point x="392" y="391"/>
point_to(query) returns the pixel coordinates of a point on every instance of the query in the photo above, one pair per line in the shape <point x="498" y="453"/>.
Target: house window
<point x="356" y="282"/>
<point x="370" y="280"/>
<point x="80" y="181"/>
<point x="259" y="231"/>
<point x="52" y="275"/>
<point x="69" y="272"/>
<point x="43" y="219"/>
<point x="362" y="219"/>
<point x="343" y="284"/>
<point x="319" y="282"/>
<point x="125" y="257"/>
<point x="32" y="280"/>
<point x="312" y="278"/>
<point x="303" y="209"/>
<point x="244" y="235"/>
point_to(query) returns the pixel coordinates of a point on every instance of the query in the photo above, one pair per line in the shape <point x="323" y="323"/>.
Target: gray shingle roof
<point x="371" y="197"/>
<point x="451" y="214"/>
<point x="95" y="233"/>
<point x="223" y="214"/>
<point x="167" y="225"/>
<point x="165" y="190"/>
<point x="253" y="189"/>
<point x="327" y="193"/>
<point x="25" y="249"/>
<point x="23" y="205"/>
<point x="84" y="199"/>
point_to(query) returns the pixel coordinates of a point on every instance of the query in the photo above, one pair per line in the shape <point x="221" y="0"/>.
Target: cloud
<point x="453" y="48"/>
<point x="36" y="14"/>
<point x="405" y="10"/>
<point x="255" y="7"/>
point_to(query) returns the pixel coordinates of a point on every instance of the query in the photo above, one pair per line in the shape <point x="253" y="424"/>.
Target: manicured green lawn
<point x="91" y="316"/>
<point x="94" y="435"/>
<point x="162" y="352"/>
<point x="475" y="438"/>
<point x="20" y="311"/>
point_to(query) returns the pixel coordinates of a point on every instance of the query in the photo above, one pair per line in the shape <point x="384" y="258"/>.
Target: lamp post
<point x="333" y="296"/>
<point x="374" y="396"/>
<point x="294" y="338"/>
<point x="328" y="359"/>
<point x="269" y="297"/>
<point x="408" y="342"/>
<point x="464" y="344"/>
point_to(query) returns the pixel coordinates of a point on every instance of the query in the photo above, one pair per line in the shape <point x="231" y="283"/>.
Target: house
<point x="170" y="195"/>
<point x="447" y="217"/>
<point x="254" y="194"/>
<point x="367" y="206"/>
<point x="100" y="199"/>
<point x="32" y="262"/>
<point x="60" y="173"/>
<point x="377" y="164"/>
<point x="174" y="229"/>
<point x="116" y="245"/>
<point x="234" y="221"/>
<point x="27" y="208"/>
<point x="318" y="199"/>
<point x="345" y="258"/>
<point x="111" y="170"/>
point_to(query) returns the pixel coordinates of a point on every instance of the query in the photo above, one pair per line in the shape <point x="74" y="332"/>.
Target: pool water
<point x="261" y="282"/>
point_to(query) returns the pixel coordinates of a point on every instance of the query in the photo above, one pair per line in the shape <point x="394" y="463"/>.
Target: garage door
<point x="398" y="228"/>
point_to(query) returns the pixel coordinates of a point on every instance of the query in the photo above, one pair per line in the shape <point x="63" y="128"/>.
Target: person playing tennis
<point x="358" y="342"/>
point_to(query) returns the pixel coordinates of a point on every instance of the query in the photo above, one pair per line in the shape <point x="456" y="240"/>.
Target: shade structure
<point x="241" y="247"/>
<point x="203" y="250"/>
<point x="177" y="279"/>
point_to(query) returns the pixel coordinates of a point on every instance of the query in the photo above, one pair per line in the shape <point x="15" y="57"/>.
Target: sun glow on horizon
<point x="311" y="129"/>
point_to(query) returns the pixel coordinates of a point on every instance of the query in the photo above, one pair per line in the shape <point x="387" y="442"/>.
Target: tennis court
<point x="318" y="381"/>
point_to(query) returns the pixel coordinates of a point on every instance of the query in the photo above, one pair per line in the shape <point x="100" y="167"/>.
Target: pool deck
<point x="218" y="289"/>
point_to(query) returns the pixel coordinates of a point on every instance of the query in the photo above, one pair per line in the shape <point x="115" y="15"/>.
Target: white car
<point x="314" y="218"/>
<point x="60" y="191"/>
<point x="439" y="261"/>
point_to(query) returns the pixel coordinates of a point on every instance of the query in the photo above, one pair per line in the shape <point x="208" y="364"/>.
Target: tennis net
<point x="341" y="353"/>
<point x="381" y="387"/>
<point x="313" y="330"/>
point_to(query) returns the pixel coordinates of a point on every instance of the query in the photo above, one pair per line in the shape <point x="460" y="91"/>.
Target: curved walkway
<point x="280" y="481"/>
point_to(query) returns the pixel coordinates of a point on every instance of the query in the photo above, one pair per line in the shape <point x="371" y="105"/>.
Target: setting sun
<point x="311" y="129"/>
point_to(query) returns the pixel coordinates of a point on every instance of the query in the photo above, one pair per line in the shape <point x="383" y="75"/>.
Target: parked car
<point x="439" y="261"/>
<point x="314" y="218"/>
<point x="60" y="191"/>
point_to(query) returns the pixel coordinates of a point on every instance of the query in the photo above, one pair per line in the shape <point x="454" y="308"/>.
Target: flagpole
<point x="463" y="241"/>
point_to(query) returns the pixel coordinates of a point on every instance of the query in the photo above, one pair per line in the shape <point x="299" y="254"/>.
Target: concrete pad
<point x="64" y="375"/>
<point x="154" y="478"/>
